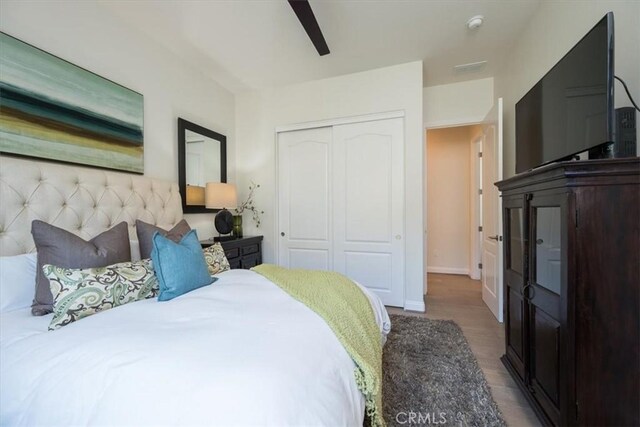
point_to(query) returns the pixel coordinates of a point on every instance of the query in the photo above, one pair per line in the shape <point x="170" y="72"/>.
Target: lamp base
<point x="224" y="222"/>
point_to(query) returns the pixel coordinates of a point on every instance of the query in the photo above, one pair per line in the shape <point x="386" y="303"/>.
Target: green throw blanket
<point x="347" y="311"/>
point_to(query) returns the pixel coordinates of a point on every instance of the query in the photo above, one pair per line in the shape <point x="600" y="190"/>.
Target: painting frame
<point x="52" y="109"/>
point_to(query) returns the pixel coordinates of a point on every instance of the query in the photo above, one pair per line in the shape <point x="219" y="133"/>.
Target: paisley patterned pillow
<point x="217" y="261"/>
<point x="78" y="293"/>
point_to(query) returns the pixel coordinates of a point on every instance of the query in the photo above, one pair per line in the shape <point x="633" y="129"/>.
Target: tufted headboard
<point x="81" y="200"/>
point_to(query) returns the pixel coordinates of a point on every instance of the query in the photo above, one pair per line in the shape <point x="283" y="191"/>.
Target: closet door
<point x="368" y="201"/>
<point x="304" y="199"/>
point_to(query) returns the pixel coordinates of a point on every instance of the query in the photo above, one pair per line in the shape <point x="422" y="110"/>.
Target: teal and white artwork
<point x="52" y="109"/>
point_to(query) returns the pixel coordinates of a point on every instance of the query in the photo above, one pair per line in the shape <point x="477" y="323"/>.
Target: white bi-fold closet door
<point x="341" y="203"/>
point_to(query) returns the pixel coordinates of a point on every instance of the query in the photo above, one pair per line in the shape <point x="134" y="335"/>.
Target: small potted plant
<point x="247" y="205"/>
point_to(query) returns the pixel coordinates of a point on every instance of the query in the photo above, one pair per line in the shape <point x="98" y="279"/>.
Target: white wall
<point x="457" y="103"/>
<point x="386" y="89"/>
<point x="87" y="35"/>
<point x="554" y="29"/>
<point x="449" y="178"/>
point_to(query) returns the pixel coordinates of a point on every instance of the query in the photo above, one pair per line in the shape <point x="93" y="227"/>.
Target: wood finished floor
<point x="460" y="299"/>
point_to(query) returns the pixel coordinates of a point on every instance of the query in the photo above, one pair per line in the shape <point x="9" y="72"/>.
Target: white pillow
<point x="17" y="281"/>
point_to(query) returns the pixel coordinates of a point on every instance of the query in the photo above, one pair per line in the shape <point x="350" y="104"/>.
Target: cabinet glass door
<point x="516" y="240"/>
<point x="543" y="294"/>
<point x="514" y="267"/>
<point x="547" y="241"/>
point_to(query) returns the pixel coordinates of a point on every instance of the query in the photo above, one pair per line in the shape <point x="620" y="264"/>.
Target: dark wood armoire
<point x="572" y="290"/>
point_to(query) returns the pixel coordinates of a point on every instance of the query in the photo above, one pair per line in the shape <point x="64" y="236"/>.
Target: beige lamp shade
<point x="195" y="195"/>
<point x="220" y="195"/>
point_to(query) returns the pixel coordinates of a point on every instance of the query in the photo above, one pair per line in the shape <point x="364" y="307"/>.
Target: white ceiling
<point x="256" y="44"/>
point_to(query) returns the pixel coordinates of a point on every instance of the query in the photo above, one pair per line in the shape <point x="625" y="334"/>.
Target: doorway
<point x="455" y="219"/>
<point x="454" y="203"/>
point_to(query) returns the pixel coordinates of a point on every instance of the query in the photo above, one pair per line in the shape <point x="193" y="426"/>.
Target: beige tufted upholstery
<point x="83" y="201"/>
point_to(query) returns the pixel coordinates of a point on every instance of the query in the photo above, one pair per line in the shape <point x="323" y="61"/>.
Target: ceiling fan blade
<point x="303" y="11"/>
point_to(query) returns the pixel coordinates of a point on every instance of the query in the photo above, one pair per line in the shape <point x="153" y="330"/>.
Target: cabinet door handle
<point x="525" y="292"/>
<point x="539" y="241"/>
<point x="282" y="233"/>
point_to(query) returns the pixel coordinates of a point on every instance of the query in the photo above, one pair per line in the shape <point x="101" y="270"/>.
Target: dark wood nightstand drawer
<point x="245" y="252"/>
<point x="232" y="253"/>
<point x="235" y="263"/>
<point x="250" y="249"/>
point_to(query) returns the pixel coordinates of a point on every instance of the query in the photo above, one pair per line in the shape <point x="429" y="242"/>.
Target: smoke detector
<point x="475" y="22"/>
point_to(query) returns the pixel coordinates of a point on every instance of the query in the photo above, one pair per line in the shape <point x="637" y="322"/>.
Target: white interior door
<point x="194" y="160"/>
<point x="304" y="199"/>
<point x="368" y="197"/>
<point x="492" y="211"/>
<point x="194" y="172"/>
<point x="476" y="197"/>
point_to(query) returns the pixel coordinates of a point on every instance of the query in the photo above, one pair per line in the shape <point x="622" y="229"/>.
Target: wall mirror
<point x="202" y="158"/>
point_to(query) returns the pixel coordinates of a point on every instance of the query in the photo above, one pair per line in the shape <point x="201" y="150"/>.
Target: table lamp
<point x="220" y="195"/>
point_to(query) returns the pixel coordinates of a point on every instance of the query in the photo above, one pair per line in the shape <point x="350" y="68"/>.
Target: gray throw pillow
<point x="145" y="235"/>
<point x="58" y="247"/>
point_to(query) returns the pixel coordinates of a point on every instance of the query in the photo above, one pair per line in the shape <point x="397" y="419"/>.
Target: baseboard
<point x="448" y="270"/>
<point x="414" y="306"/>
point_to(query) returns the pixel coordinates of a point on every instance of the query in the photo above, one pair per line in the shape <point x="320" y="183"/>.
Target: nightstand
<point x="245" y="252"/>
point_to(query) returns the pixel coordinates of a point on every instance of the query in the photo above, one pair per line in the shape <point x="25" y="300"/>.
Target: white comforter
<point x="239" y="352"/>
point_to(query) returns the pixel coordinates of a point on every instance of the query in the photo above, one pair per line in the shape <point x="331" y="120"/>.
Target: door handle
<point x="282" y="233"/>
<point x="525" y="292"/>
<point x="496" y="237"/>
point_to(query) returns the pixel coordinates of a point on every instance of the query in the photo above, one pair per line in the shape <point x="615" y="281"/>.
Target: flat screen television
<point x="570" y="110"/>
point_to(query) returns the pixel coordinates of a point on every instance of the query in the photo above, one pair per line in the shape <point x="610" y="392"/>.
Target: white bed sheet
<point x="238" y="352"/>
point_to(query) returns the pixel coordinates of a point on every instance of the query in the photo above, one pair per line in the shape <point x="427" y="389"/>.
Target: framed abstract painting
<point x="52" y="109"/>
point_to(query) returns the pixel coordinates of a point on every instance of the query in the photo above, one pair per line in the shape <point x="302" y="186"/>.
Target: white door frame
<point x="339" y="121"/>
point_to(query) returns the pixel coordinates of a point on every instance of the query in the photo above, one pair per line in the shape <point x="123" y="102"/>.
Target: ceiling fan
<point x="305" y="15"/>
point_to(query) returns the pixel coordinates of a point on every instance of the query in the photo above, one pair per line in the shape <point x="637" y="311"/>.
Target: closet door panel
<point x="304" y="198"/>
<point x="313" y="259"/>
<point x="367" y="188"/>
<point x="374" y="269"/>
<point x="368" y="197"/>
<point x="308" y="191"/>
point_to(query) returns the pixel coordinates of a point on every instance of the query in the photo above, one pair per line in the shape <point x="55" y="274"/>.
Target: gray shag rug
<point x="431" y="377"/>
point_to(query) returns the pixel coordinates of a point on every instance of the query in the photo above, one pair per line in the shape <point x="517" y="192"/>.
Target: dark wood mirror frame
<point x="183" y="126"/>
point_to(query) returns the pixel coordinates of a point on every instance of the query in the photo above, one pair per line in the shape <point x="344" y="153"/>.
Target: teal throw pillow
<point x="180" y="267"/>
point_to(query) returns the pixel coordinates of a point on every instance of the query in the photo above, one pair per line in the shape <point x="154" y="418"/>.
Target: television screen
<point x="571" y="109"/>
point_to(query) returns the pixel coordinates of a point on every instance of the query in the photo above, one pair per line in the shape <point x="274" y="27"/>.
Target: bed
<point x="239" y="352"/>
